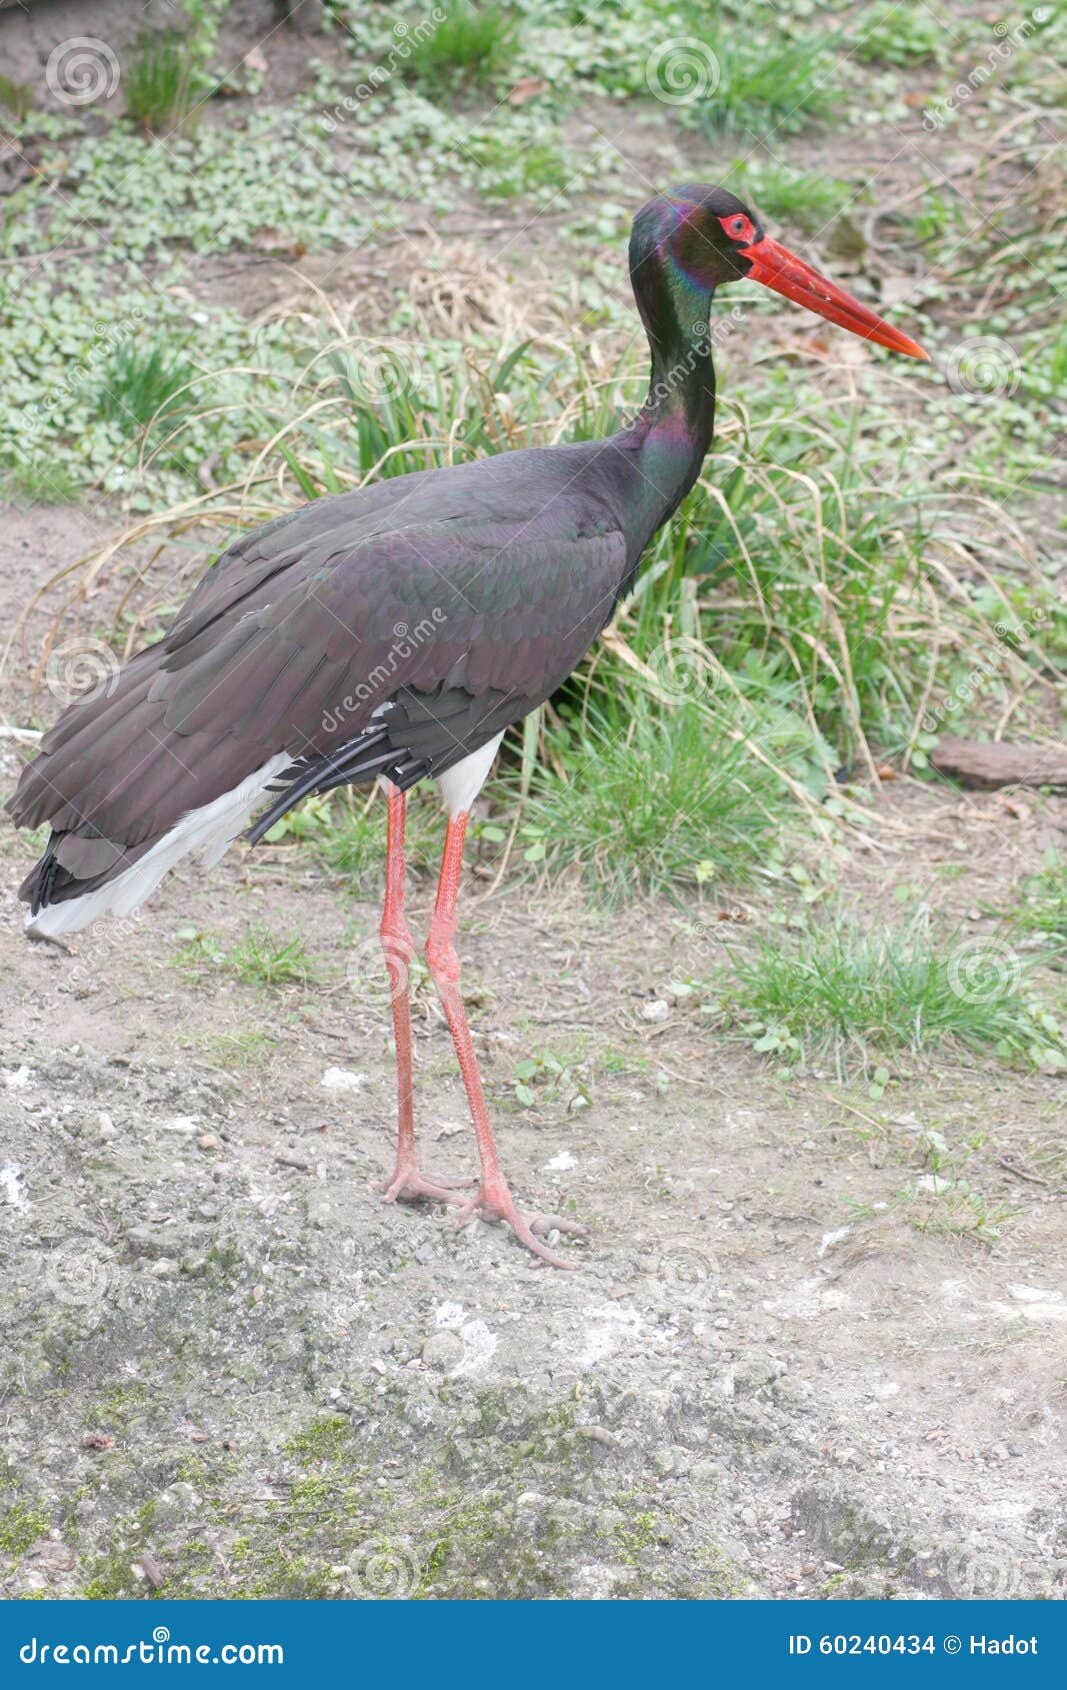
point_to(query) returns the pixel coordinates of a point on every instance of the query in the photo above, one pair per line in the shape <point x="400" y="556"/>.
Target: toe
<point x="408" y="1185"/>
<point x="557" y="1223"/>
<point x="500" y="1205"/>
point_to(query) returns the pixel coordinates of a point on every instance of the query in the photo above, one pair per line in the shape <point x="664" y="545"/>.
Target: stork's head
<point x="702" y="238"/>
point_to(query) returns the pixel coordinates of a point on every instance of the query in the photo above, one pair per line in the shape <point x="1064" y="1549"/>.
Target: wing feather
<point x="400" y="626"/>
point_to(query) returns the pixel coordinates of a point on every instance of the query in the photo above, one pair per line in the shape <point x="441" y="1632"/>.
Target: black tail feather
<point x="354" y="764"/>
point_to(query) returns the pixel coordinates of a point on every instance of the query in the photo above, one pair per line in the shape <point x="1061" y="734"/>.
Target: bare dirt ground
<point x="782" y="1366"/>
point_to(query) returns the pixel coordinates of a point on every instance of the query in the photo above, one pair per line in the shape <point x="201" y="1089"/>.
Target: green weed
<point x="671" y="800"/>
<point x="800" y="198"/>
<point x="853" y="990"/>
<point x="1042" y="902"/>
<point x="17" y="97"/>
<point x="40" y="482"/>
<point x="258" y="959"/>
<point x="890" y="34"/>
<point x="158" y="82"/>
<point x="140" y="387"/>
<point x="769" y="88"/>
<point x="472" y="42"/>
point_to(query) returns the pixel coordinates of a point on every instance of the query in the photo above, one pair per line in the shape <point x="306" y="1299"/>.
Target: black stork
<point x="294" y="668"/>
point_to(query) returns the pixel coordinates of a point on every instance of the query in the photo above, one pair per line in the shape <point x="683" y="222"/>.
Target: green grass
<point x="768" y="88"/>
<point x="158" y="82"/>
<point x="248" y="1048"/>
<point x="855" y="989"/>
<point x="261" y="959"/>
<point x="20" y="1528"/>
<point x="1042" y="903"/>
<point x="472" y="42"/>
<point x="890" y="34"/>
<point x="258" y="959"/>
<point x="40" y="482"/>
<point x="828" y="567"/>
<point x="346" y="830"/>
<point x="670" y="800"/>
<point x="516" y="167"/>
<point x="16" y="97"/>
<point x="144" y="386"/>
<point x="797" y="199"/>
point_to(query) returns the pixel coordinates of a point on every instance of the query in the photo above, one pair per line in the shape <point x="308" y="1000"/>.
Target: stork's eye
<point x="739" y="228"/>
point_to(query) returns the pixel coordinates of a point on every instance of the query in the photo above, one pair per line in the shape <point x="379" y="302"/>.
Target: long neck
<point x="672" y="431"/>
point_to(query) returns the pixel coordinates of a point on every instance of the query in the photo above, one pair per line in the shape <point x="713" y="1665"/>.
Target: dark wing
<point x="393" y="629"/>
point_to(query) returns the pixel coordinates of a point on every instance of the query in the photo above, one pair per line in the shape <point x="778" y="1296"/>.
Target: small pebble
<point x="208" y="1141"/>
<point x="442" y="1350"/>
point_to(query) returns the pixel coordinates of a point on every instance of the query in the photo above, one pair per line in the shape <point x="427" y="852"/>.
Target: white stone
<point x="343" y="1079"/>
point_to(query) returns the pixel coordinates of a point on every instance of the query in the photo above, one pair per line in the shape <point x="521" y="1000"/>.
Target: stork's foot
<point x="495" y="1202"/>
<point x="409" y="1184"/>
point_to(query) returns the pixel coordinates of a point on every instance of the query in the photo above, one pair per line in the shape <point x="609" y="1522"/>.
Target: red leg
<point x="399" y="948"/>
<point x="493" y="1197"/>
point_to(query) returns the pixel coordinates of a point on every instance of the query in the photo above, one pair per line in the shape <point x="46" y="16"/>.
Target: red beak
<point x="778" y="268"/>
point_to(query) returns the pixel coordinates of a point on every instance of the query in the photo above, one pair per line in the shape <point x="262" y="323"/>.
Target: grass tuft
<point x="472" y="43"/>
<point x="801" y="199"/>
<point x="158" y="82"/>
<point x="143" y="386"/>
<point x="673" y="801"/>
<point x="40" y="482"/>
<point x="1042" y="905"/>
<point x="17" y="97"/>
<point x="258" y="959"/>
<point x="763" y="89"/>
<point x="889" y="34"/>
<point x="858" y="988"/>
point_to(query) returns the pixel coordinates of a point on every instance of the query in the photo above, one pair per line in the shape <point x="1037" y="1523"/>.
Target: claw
<point x="497" y="1203"/>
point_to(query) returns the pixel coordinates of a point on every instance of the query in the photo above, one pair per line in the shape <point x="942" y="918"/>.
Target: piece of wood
<point x="987" y="762"/>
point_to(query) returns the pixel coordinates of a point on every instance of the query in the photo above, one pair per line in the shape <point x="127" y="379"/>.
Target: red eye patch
<point x="739" y="228"/>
